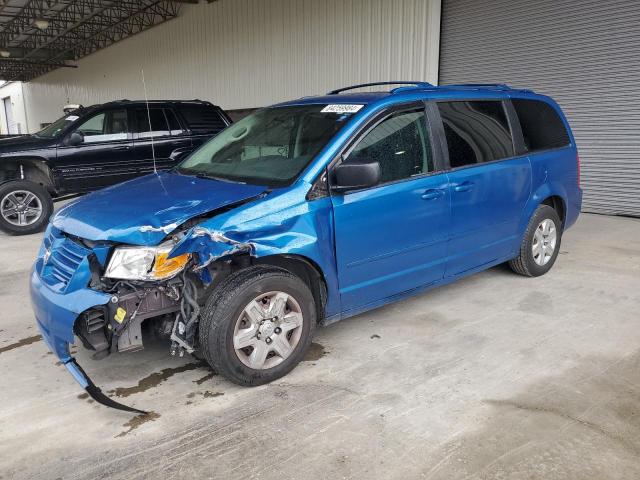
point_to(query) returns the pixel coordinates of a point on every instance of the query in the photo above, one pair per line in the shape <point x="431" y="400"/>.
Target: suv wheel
<point x="257" y="325"/>
<point x="540" y="245"/>
<point x="25" y="207"/>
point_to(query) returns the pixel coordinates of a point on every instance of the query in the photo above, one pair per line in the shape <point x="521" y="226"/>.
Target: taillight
<point x="578" y="165"/>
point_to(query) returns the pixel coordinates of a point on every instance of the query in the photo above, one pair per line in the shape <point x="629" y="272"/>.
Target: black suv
<point x="93" y="147"/>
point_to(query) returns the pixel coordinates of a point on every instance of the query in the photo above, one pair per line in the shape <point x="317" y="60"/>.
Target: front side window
<point x="268" y="147"/>
<point x="104" y="127"/>
<point x="476" y="131"/>
<point x="400" y="144"/>
<point x="542" y="127"/>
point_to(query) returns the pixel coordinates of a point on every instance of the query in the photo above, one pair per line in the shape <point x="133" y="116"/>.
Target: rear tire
<point x="257" y="325"/>
<point x="25" y="207"/>
<point x="540" y="243"/>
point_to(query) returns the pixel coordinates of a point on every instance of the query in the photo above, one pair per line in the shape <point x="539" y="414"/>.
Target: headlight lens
<point x="145" y="263"/>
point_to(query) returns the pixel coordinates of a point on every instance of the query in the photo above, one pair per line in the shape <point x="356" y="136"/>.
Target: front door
<point x="392" y="238"/>
<point x="489" y="184"/>
<point x="101" y="158"/>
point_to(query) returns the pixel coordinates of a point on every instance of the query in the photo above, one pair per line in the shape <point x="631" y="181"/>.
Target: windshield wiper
<point x="213" y="177"/>
<point x="208" y="176"/>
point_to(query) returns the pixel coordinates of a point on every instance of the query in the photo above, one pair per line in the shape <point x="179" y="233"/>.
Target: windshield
<point x="54" y="129"/>
<point x="269" y="147"/>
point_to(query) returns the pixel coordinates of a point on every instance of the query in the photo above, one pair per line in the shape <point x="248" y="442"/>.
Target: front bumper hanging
<point x="55" y="316"/>
<point x="93" y="390"/>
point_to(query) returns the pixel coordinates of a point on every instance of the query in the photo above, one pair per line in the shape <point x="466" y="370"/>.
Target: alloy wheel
<point x="21" y="208"/>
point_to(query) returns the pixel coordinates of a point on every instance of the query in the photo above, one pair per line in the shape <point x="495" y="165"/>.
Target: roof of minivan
<point x="411" y="92"/>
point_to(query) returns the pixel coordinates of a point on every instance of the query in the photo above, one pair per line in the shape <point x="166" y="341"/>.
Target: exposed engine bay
<point x="171" y="308"/>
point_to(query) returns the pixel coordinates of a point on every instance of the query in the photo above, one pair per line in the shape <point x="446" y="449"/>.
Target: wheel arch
<point x="305" y="269"/>
<point x="558" y="204"/>
<point x="552" y="194"/>
<point x="34" y="169"/>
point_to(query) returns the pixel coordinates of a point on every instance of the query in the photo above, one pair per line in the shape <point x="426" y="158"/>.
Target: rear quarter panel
<point x="554" y="173"/>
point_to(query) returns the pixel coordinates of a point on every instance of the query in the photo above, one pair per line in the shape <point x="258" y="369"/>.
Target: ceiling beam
<point x="76" y="29"/>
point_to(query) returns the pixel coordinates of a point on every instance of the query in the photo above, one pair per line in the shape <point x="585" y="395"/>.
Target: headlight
<point x="145" y="263"/>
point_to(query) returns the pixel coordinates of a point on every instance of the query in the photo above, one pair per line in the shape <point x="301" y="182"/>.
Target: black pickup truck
<point x="94" y="147"/>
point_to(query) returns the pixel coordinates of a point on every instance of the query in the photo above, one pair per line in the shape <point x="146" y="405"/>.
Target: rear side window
<point x="174" y="125"/>
<point x="158" y="127"/>
<point x="542" y="128"/>
<point x="202" y="118"/>
<point x="476" y="131"/>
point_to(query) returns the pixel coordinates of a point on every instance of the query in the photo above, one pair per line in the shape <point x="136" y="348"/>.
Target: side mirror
<point x="355" y="175"/>
<point x="75" y="139"/>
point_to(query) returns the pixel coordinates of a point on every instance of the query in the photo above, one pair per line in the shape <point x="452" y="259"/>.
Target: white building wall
<point x="249" y="53"/>
<point x="13" y="90"/>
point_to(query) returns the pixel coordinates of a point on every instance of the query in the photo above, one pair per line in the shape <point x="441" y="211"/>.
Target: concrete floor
<point x="494" y="377"/>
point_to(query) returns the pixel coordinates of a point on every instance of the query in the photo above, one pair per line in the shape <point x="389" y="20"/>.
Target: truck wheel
<point x="25" y="207"/>
<point x="257" y="325"/>
<point x="540" y="244"/>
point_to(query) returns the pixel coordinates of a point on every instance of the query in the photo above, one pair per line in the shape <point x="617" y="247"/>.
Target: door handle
<point x="122" y="147"/>
<point x="432" y="194"/>
<point x="463" y="187"/>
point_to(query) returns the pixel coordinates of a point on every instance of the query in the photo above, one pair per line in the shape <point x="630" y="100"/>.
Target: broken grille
<point x="64" y="259"/>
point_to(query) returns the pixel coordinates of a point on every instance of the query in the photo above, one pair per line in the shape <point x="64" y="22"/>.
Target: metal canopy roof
<point x="37" y="36"/>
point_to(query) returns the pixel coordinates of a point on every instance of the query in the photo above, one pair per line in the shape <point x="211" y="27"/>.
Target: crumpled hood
<point x="144" y="210"/>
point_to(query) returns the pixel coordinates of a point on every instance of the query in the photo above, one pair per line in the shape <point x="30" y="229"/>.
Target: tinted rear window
<point x="202" y="118"/>
<point x="476" y="131"/>
<point x="542" y="127"/>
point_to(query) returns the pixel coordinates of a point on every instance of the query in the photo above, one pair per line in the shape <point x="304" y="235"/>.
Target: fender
<point x="300" y="228"/>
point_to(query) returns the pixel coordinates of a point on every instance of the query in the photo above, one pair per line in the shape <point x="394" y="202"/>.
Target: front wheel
<point x="25" y="207"/>
<point x="257" y="325"/>
<point x="540" y="244"/>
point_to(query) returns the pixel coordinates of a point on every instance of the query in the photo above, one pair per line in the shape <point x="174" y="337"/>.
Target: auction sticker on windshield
<point x="341" y="108"/>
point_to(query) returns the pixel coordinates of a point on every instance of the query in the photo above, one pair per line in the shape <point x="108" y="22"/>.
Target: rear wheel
<point x="540" y="244"/>
<point x="257" y="325"/>
<point x="25" y="207"/>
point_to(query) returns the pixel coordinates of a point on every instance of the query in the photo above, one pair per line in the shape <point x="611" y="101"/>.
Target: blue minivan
<point x="305" y="213"/>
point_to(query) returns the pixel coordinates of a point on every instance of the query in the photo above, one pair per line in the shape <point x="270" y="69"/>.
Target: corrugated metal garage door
<point x="585" y="54"/>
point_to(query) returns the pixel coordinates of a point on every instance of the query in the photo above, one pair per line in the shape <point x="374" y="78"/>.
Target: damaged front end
<point x="111" y="281"/>
<point x="117" y="326"/>
<point x="73" y="293"/>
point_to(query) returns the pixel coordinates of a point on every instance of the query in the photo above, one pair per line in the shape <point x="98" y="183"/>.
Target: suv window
<point x="542" y="128"/>
<point x="400" y="144"/>
<point x="476" y="131"/>
<point x="202" y="118"/>
<point x="159" y="126"/>
<point x="174" y="125"/>
<point x="105" y="126"/>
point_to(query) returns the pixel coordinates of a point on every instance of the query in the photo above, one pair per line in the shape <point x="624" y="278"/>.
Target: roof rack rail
<point x="362" y="85"/>
<point x="502" y="86"/>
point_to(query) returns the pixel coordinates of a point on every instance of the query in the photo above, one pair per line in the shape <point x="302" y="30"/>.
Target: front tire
<point x="257" y="325"/>
<point x="25" y="207"/>
<point x="540" y="244"/>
